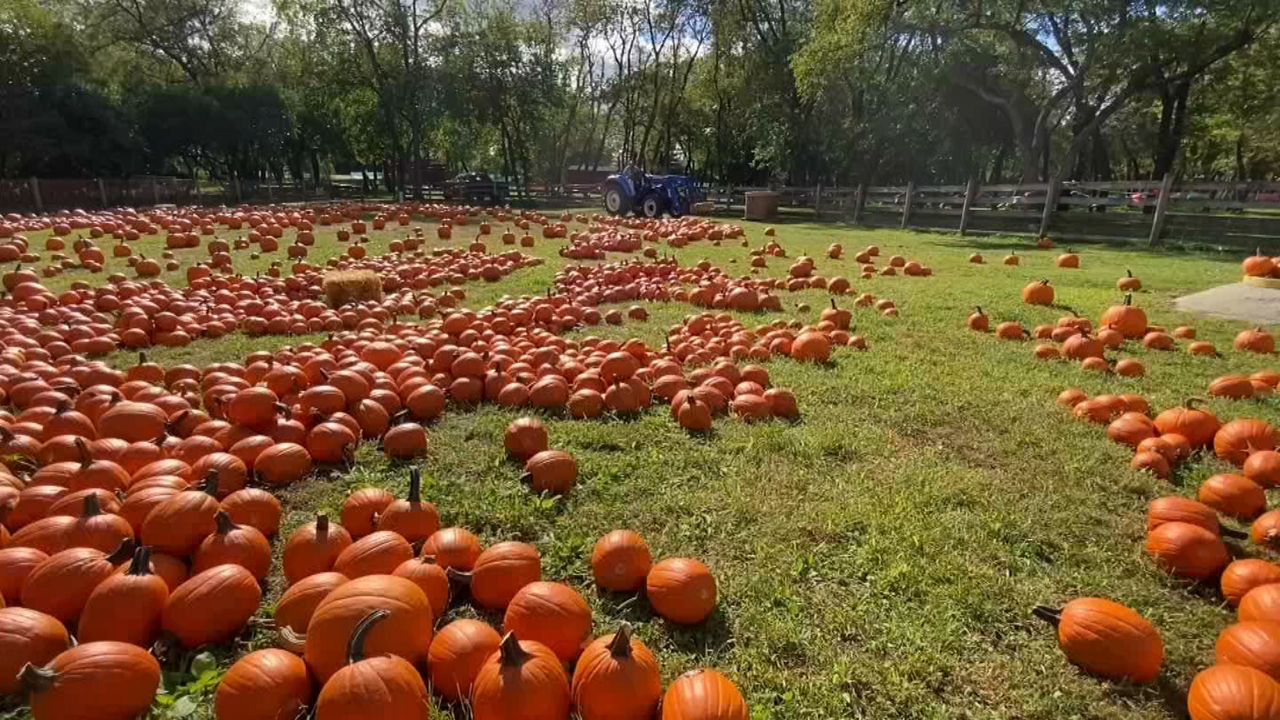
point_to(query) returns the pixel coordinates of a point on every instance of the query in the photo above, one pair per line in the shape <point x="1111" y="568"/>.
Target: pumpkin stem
<point x="122" y="553"/>
<point x="223" y="521"/>
<point x="35" y="679"/>
<point x="92" y="507"/>
<point x="620" y="646"/>
<point x="82" y="447"/>
<point x="322" y="525"/>
<point x="355" y="647"/>
<point x="142" y="358"/>
<point x="458" y="576"/>
<point x="525" y="478"/>
<point x="62" y="406"/>
<point x="978" y="308"/>
<point x="210" y="483"/>
<point x="415" y="486"/>
<point x="1128" y="272"/>
<point x="141" y="563"/>
<point x="512" y="655"/>
<point x="292" y="641"/>
<point x="1128" y="299"/>
<point x="1053" y="616"/>
<point x="833" y="303"/>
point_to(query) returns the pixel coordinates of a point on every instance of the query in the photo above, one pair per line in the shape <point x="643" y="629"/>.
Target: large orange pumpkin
<point x="405" y="632"/>
<point x="1107" y="639"/>
<point x="120" y="679"/>
<point x="212" y="606"/>
<point x="371" y="684"/>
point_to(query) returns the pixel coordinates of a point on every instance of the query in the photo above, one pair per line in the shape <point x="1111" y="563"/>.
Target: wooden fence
<point x="1240" y="214"/>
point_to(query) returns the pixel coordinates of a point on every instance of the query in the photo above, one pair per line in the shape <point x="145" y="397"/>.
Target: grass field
<point x="878" y="558"/>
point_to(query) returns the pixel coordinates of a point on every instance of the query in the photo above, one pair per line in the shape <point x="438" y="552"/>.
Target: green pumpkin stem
<point x="1128" y="299"/>
<point x="141" y="562"/>
<point x="1053" y="616"/>
<point x="620" y="646"/>
<point x="355" y="647"/>
<point x="833" y="304"/>
<point x="512" y="655"/>
<point x="415" y="486"/>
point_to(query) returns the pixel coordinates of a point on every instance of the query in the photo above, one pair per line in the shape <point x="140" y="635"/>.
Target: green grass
<point x="878" y="558"/>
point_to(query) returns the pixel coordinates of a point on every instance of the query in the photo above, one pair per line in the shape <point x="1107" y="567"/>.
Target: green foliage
<point x="738" y="91"/>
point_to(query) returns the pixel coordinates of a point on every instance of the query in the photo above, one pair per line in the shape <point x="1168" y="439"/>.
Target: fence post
<point x="35" y="195"/>
<point x="1050" y="205"/>
<point x="270" y="194"/>
<point x="970" y="192"/>
<point x="235" y="183"/>
<point x="906" y="203"/>
<point x="102" y="192"/>
<point x="195" y="184"/>
<point x="1162" y="208"/>
<point x="155" y="192"/>
<point x="859" y="197"/>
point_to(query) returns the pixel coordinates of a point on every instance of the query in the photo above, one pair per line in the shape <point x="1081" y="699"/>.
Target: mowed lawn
<point x="879" y="558"/>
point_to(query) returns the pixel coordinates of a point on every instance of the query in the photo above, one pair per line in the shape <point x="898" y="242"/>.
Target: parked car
<point x="477" y="188"/>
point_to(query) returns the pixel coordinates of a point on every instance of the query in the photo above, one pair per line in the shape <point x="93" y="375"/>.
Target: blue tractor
<point x="650" y="195"/>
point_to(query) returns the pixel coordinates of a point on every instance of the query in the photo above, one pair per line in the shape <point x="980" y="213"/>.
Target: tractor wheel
<point x="615" y="201"/>
<point x="652" y="206"/>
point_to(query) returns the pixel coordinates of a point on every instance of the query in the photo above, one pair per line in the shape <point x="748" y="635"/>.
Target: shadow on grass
<point x="1171" y="694"/>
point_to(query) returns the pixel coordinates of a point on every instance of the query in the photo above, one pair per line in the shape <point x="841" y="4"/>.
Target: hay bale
<point x="347" y="286"/>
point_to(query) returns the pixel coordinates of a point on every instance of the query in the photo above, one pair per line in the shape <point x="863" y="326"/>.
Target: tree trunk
<point x="1173" y="126"/>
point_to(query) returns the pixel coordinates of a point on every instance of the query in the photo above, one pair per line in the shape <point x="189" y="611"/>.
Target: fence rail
<point x="1223" y="213"/>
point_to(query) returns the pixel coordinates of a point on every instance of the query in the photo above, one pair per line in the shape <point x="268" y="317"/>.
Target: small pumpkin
<point x="1226" y="692"/>
<point x="361" y="509"/>
<point x="703" y="695"/>
<point x="522" y="674"/>
<point x="620" y="561"/>
<point x="426" y="574"/>
<point x="1245" y="574"/>
<point x="313" y="548"/>
<point x="266" y="684"/>
<point x="1187" y="550"/>
<point x="682" y="590"/>
<point x="1233" y="495"/>
<point x="413" y="518"/>
<point x="212" y="606"/>
<point x="456" y="655"/>
<point x="552" y="614"/>
<point x="126" y="607"/>
<point x="454" y="547"/>
<point x="241" y="545"/>
<point x="299" y="602"/>
<point x="616" y="678"/>
<point x="378" y="553"/>
<point x="500" y="572"/>
<point x="524" y="438"/>
<point x="551" y="471"/>
<point x="27" y="636"/>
